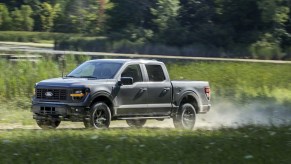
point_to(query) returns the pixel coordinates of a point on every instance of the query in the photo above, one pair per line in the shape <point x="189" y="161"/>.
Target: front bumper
<point x="51" y="110"/>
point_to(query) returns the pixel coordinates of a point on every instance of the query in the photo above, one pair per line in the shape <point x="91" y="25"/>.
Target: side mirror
<point x="125" y="81"/>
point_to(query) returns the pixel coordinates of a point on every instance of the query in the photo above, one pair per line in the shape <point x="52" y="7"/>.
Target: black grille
<point x="47" y="110"/>
<point x="51" y="94"/>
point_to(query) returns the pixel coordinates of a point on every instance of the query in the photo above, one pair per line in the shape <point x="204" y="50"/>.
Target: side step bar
<point x="138" y="118"/>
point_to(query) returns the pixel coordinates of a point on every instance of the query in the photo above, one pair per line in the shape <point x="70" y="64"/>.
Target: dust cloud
<point x="227" y="114"/>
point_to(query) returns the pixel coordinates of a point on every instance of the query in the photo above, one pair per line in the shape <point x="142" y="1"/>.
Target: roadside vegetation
<point x="222" y="28"/>
<point x="36" y="37"/>
<point x="238" y="82"/>
<point x="148" y="145"/>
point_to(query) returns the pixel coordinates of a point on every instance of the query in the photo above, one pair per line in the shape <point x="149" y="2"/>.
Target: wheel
<point x="186" y="117"/>
<point x="136" y="123"/>
<point x="48" y="124"/>
<point x="100" y="116"/>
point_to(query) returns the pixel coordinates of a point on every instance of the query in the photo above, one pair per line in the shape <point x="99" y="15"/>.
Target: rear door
<point x="159" y="89"/>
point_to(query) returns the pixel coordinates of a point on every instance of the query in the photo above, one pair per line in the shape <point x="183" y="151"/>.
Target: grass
<point x="237" y="81"/>
<point x="148" y="145"/>
<point x="232" y="81"/>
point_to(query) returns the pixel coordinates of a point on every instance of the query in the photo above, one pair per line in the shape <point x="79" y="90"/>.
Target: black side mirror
<point x="125" y="81"/>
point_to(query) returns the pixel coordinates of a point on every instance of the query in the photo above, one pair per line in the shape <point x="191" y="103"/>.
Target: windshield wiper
<point x="71" y="76"/>
<point x="93" y="77"/>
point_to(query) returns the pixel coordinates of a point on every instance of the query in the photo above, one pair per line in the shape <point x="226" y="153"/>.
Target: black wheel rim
<point x="100" y="117"/>
<point x="188" y="118"/>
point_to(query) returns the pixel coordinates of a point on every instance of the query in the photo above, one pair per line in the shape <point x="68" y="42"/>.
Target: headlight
<point x="79" y="93"/>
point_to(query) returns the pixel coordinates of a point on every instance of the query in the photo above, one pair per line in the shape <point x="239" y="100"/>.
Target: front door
<point x="132" y="99"/>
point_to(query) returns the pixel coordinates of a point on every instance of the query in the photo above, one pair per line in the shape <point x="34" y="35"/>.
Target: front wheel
<point x="48" y="124"/>
<point x="186" y="117"/>
<point x="136" y="123"/>
<point x="100" y="116"/>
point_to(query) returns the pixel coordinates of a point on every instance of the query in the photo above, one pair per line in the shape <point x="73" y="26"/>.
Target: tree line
<point x="260" y="27"/>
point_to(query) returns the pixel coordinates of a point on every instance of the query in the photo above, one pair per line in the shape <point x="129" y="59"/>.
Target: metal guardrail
<point x="58" y="52"/>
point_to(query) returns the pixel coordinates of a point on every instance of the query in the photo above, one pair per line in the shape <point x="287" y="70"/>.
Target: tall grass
<point x="232" y="80"/>
<point x="239" y="81"/>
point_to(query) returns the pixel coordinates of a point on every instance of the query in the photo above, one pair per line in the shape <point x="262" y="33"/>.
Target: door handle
<point x="143" y="89"/>
<point x="166" y="89"/>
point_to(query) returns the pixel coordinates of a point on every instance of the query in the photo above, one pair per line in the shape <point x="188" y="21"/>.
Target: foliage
<point x="24" y="36"/>
<point x="232" y="28"/>
<point x="5" y="19"/>
<point x="48" y="14"/>
<point x="231" y="80"/>
<point x="238" y="81"/>
<point x="148" y="145"/>
<point x="21" y="19"/>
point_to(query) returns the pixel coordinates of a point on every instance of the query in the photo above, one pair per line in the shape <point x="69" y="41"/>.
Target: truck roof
<point x="126" y="60"/>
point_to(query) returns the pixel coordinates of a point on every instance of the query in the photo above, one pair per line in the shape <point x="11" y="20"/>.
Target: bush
<point x="103" y="44"/>
<point x="23" y="36"/>
<point x="266" y="48"/>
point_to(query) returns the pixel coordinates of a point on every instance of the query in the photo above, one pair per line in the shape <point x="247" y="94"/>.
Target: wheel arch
<point x="105" y="98"/>
<point x="191" y="98"/>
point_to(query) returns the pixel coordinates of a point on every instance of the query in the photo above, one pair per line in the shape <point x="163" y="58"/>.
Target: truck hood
<point x="70" y="82"/>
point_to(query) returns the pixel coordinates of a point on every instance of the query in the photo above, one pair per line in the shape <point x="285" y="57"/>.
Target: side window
<point x="155" y="73"/>
<point x="134" y="72"/>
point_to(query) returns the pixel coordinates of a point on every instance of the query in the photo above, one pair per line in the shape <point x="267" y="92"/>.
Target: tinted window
<point x="134" y="72"/>
<point x="155" y="73"/>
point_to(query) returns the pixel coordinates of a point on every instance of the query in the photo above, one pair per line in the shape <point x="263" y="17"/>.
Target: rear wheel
<point x="100" y="116"/>
<point x="136" y="123"/>
<point x="48" y="124"/>
<point x="186" y="117"/>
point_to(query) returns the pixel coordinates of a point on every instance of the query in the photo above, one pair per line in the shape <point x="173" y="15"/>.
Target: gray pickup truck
<point x="99" y="91"/>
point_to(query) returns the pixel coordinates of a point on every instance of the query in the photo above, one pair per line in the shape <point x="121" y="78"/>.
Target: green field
<point x="148" y="145"/>
<point x="241" y="84"/>
<point x="238" y="81"/>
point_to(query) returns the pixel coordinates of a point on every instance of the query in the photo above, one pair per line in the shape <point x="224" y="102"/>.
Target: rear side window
<point x="155" y="73"/>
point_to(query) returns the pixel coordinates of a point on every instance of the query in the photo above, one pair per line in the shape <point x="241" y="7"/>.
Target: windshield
<point x="98" y="70"/>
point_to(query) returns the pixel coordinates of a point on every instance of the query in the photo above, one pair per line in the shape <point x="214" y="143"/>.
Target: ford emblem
<point x="49" y="94"/>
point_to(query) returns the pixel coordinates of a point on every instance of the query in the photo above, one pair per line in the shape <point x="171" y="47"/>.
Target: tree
<point x="166" y="26"/>
<point x="5" y="19"/>
<point x="26" y="13"/>
<point x="275" y="16"/>
<point x="47" y="15"/>
<point x="21" y="19"/>
<point x="165" y="12"/>
<point x="78" y="17"/>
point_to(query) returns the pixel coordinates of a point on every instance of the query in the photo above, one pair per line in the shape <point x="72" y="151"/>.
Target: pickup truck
<point x="100" y="91"/>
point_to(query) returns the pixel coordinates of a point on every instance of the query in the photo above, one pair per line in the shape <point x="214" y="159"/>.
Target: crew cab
<point x="100" y="91"/>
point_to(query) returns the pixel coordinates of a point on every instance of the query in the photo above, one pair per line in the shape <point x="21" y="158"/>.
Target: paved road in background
<point x="34" y="48"/>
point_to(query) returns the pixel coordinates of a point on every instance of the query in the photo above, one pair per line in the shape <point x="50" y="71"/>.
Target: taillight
<point x="207" y="92"/>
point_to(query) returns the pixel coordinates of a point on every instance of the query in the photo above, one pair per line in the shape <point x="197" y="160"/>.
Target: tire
<point x="87" y="124"/>
<point x="48" y="124"/>
<point x="100" y="116"/>
<point x="136" y="123"/>
<point x="186" y="117"/>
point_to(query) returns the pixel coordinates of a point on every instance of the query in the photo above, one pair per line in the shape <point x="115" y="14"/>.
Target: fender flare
<point x="194" y="95"/>
<point x="99" y="94"/>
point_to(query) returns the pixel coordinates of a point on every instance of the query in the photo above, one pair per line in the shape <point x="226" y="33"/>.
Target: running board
<point x="138" y="118"/>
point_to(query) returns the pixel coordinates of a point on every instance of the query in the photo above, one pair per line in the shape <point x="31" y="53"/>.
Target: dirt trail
<point x="223" y="114"/>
